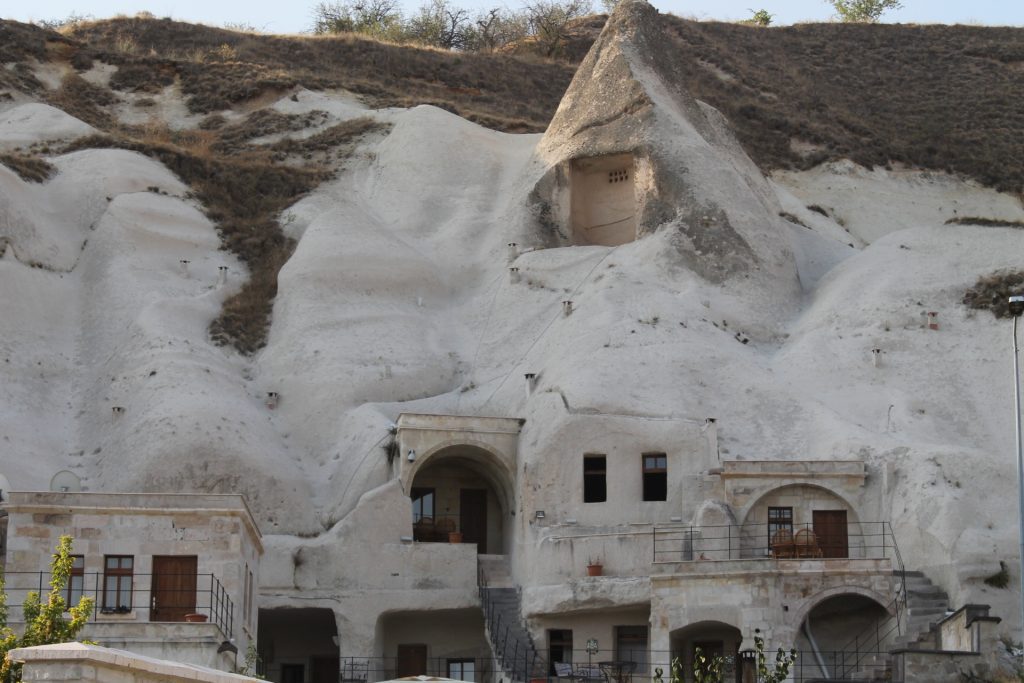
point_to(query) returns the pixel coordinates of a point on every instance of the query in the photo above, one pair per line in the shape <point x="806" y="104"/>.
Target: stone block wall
<point x="78" y="663"/>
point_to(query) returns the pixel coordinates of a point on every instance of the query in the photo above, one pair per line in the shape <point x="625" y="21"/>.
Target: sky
<point x="295" y="15"/>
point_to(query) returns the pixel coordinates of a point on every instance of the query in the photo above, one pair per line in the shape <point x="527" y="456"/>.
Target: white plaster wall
<point x="603" y="200"/>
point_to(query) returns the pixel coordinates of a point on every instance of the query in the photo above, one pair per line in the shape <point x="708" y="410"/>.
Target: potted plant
<point x="595" y="567"/>
<point x="455" y="537"/>
<point x="195" y="618"/>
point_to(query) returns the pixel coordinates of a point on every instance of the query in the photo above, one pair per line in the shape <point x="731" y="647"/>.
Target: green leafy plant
<point x="863" y="11"/>
<point x="761" y="17"/>
<point x="705" y="669"/>
<point x="1001" y="579"/>
<point x="783" y="662"/>
<point x="45" y="622"/>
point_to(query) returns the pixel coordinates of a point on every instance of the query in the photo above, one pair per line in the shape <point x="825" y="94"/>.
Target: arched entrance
<point x="805" y="520"/>
<point x="708" y="639"/>
<point x="459" y="494"/>
<point x="298" y="645"/>
<point x="829" y="628"/>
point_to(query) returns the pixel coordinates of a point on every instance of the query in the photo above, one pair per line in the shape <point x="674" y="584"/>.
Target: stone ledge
<point x="106" y="658"/>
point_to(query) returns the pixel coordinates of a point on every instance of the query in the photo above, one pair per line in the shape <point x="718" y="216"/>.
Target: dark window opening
<point x="631" y="646"/>
<point x="76" y="582"/>
<point x="559" y="648"/>
<point x="779" y="519"/>
<point x="655" y="476"/>
<point x="595" y="487"/>
<point x="117" y="582"/>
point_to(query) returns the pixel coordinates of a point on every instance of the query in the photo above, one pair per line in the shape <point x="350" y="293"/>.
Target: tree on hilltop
<point x="377" y="18"/>
<point x="863" y="11"/>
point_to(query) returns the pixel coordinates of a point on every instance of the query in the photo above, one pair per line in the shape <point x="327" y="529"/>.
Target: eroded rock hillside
<point x="186" y="230"/>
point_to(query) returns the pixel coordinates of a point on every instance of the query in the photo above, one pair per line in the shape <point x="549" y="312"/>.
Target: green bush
<point x="45" y="623"/>
<point x="863" y="11"/>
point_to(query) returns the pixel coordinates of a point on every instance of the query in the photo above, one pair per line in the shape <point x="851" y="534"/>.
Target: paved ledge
<point x="78" y="662"/>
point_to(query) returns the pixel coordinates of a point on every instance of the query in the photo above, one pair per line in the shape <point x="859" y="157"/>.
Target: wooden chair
<point x="782" y="545"/>
<point x="806" y="544"/>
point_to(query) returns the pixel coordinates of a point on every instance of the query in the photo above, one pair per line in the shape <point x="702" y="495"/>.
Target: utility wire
<point x="546" y="328"/>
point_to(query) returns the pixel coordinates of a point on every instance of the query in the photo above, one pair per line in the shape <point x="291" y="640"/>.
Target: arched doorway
<point x="710" y="639"/>
<point x="298" y="645"/>
<point x="805" y="520"/>
<point x="460" y="490"/>
<point x="829" y="628"/>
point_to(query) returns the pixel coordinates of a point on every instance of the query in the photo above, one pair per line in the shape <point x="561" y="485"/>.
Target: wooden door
<point x="412" y="661"/>
<point x="830" y="528"/>
<point x="174" y="587"/>
<point x="473" y="517"/>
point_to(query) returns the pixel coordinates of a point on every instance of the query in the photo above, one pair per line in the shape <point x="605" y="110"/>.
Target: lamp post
<point x="1016" y="304"/>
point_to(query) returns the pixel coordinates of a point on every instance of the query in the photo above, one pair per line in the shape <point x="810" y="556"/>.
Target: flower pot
<point x="595" y="569"/>
<point x="195" y="618"/>
<point x="455" y="537"/>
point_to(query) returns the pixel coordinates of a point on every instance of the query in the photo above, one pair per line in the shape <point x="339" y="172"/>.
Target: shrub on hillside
<point x="991" y="292"/>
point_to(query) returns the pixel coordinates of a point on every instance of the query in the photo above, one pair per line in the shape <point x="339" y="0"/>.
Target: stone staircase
<point x="510" y="641"/>
<point x="926" y="605"/>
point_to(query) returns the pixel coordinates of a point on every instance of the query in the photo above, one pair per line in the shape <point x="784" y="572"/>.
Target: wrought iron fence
<point x="602" y="666"/>
<point x="434" y="528"/>
<point x="758" y="541"/>
<point x="181" y="596"/>
<point x="520" y="660"/>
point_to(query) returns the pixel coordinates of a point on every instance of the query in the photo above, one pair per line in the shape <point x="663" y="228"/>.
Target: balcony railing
<point x="863" y="540"/>
<point x="434" y="528"/>
<point x="602" y="666"/>
<point x="169" y="603"/>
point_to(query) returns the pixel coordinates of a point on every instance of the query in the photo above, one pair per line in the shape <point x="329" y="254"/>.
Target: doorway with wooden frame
<point x="174" y="587"/>
<point x="830" y="528"/>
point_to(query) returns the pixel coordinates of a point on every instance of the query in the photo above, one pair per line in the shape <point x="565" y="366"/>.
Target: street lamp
<point x="1016" y="305"/>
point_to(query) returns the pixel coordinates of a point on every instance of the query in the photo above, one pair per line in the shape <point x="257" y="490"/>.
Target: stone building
<point x="173" y="576"/>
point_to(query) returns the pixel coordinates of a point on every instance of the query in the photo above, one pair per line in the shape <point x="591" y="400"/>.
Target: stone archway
<point x="459" y="489"/>
<point x="708" y="639"/>
<point x="459" y="473"/>
<point x="828" y="517"/>
<point x="831" y="622"/>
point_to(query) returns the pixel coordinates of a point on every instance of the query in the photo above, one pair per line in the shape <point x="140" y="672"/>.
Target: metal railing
<point x="518" y="659"/>
<point x="863" y="540"/>
<point x="209" y="598"/>
<point x="365" y="669"/>
<point x="434" y="528"/>
<point x="601" y="666"/>
<point x="759" y="541"/>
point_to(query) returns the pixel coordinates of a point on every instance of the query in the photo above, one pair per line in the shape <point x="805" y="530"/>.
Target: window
<point x="631" y="646"/>
<point x="76" y="582"/>
<point x="655" y="476"/>
<point x="117" y="583"/>
<point x="595" y="487"/>
<point x="422" y="504"/>
<point x="779" y="519"/>
<point x="559" y="648"/>
<point x="462" y="669"/>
